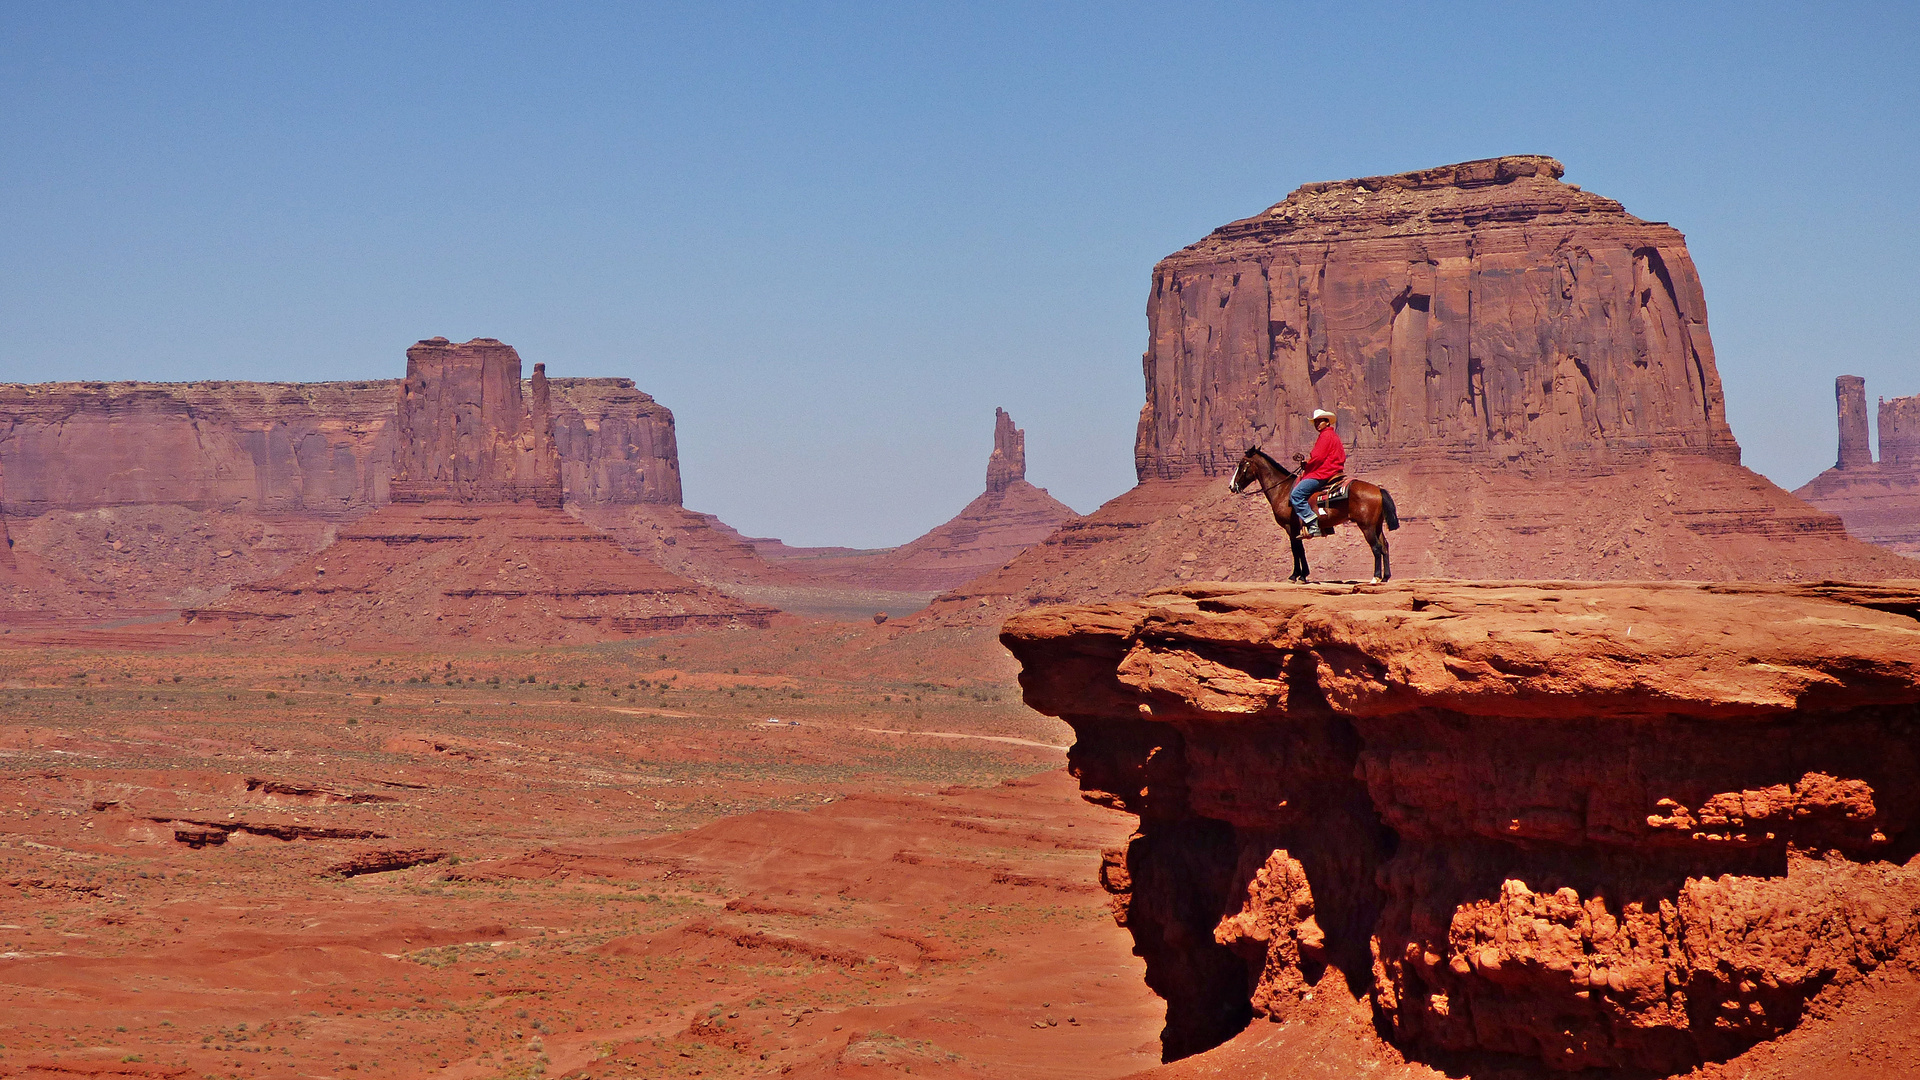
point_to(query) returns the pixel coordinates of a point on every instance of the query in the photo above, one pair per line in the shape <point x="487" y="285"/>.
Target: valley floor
<point x="604" y="861"/>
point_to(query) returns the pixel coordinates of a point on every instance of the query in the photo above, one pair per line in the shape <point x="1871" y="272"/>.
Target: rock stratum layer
<point x="1878" y="501"/>
<point x="1536" y="826"/>
<point x="1480" y="311"/>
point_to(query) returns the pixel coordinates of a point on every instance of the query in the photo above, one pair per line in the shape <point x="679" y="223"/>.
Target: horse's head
<point x="1244" y="474"/>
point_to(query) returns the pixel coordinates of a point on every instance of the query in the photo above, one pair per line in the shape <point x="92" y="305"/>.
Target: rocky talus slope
<point x="503" y="573"/>
<point x="1878" y="500"/>
<point x="1533" y="826"/>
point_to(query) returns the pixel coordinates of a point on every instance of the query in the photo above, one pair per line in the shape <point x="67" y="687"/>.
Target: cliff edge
<point x="1533" y="827"/>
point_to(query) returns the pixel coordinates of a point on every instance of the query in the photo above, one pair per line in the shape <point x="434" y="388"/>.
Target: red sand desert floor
<point x="225" y="864"/>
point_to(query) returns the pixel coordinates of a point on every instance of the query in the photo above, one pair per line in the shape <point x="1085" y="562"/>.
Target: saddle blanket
<point x="1334" y="492"/>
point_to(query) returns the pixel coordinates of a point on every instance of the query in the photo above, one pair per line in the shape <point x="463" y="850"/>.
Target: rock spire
<point x="1850" y="395"/>
<point x="1008" y="462"/>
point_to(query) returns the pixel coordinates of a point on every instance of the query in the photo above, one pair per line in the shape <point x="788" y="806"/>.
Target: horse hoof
<point x="1375" y="581"/>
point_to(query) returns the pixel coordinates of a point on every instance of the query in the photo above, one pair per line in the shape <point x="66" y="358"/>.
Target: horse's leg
<point x="1382" y="564"/>
<point x="1300" y="571"/>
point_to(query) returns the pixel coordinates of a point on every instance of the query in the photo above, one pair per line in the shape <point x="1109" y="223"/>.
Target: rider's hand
<point x="1300" y="457"/>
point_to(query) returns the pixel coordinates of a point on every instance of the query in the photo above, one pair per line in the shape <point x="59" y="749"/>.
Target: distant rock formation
<point x="1850" y="395"/>
<point x="1008" y="462"/>
<point x="474" y="545"/>
<point x="466" y="432"/>
<point x="1006" y="519"/>
<point x="99" y="473"/>
<point x="316" y="450"/>
<point x="1562" y="827"/>
<point x="1900" y="431"/>
<point x="1879" y="501"/>
<point x="1525" y="365"/>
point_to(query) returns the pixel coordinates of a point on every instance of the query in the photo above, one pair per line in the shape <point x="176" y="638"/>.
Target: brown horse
<point x="1366" y="505"/>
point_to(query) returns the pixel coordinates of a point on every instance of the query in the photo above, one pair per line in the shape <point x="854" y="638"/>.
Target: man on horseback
<point x="1326" y="461"/>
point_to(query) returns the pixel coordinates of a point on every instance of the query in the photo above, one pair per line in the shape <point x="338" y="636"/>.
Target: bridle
<point x="1233" y="485"/>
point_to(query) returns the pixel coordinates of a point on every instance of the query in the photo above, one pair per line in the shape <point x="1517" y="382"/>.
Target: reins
<point x="1261" y="476"/>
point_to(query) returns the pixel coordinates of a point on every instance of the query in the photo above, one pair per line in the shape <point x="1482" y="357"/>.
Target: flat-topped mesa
<point x="320" y="450"/>
<point x="1008" y="462"/>
<point x="1483" y="312"/>
<point x="466" y="432"/>
<point x="1580" y="826"/>
<point x="1850" y="399"/>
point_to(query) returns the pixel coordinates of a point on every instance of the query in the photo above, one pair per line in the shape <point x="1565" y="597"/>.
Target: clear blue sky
<point x="832" y="238"/>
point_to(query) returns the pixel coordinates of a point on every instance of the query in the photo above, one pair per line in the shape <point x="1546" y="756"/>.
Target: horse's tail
<point x="1386" y="505"/>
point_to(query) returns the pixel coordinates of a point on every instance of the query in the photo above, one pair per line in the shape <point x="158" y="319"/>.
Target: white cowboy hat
<point x="1321" y="414"/>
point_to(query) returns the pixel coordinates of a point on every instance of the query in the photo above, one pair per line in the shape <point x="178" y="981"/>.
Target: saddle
<point x="1334" y="492"/>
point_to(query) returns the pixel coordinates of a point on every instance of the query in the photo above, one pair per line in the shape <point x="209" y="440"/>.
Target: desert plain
<point x="415" y="727"/>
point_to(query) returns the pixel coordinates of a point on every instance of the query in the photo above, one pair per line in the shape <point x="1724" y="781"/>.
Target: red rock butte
<point x="466" y="431"/>
<point x="1523" y="364"/>
<point x="1878" y="500"/>
<point x="1527" y="825"/>
<point x="474" y="545"/>
<point x="1475" y="311"/>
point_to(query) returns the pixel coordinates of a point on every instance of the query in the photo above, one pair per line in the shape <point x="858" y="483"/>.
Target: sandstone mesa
<point x="473" y="545"/>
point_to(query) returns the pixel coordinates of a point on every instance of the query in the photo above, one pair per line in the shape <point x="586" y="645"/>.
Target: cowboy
<point x="1326" y="461"/>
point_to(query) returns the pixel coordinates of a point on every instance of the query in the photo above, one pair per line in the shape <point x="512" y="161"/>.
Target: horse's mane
<point x="1268" y="458"/>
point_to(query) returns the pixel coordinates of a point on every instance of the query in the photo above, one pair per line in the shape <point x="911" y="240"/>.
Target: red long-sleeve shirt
<point x="1328" y="458"/>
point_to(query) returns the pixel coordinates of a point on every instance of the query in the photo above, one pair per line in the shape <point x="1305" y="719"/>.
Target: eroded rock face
<point x="1850" y="397"/>
<point x="465" y="431"/>
<point x="320" y="450"/>
<point x="1900" y="431"/>
<point x="1008" y="462"/>
<point x="1586" y="826"/>
<point x="316" y="449"/>
<point x="6" y="538"/>
<point x="1482" y="311"/>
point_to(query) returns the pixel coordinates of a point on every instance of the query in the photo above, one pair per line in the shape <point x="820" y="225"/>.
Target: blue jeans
<point x="1300" y="492"/>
